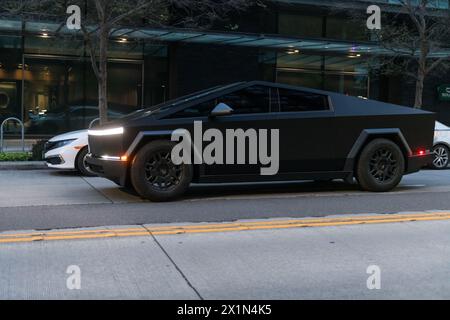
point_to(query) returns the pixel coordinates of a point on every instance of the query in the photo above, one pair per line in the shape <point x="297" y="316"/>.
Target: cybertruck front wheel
<point x="381" y="166"/>
<point x="155" y="177"/>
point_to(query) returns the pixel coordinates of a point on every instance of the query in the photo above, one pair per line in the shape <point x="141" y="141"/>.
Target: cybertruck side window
<point x="300" y="101"/>
<point x="195" y="111"/>
<point x="254" y="99"/>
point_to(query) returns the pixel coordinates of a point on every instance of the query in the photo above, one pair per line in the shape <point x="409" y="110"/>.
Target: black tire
<point x="81" y="164"/>
<point x="441" y="156"/>
<point x="155" y="177"/>
<point x="380" y="166"/>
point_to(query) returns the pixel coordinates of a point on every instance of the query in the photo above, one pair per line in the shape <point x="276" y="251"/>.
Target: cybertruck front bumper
<point x="114" y="170"/>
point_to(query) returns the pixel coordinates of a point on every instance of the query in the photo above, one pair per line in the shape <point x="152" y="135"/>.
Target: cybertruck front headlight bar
<point x="106" y="132"/>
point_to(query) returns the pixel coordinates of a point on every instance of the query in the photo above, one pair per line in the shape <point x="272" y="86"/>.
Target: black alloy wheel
<point x="383" y="166"/>
<point x="380" y="166"/>
<point x="155" y="177"/>
<point x="160" y="171"/>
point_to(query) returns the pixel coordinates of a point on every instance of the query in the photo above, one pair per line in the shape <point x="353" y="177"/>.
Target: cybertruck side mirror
<point x="222" y="109"/>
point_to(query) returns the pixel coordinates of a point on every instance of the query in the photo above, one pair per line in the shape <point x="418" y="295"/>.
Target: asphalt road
<point x="412" y="261"/>
<point x="322" y="262"/>
<point x="45" y="199"/>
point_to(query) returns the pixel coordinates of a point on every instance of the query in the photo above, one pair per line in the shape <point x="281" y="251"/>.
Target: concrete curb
<point x="23" y="165"/>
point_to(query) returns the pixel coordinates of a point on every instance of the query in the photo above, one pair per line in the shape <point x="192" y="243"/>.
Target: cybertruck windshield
<point x="164" y="106"/>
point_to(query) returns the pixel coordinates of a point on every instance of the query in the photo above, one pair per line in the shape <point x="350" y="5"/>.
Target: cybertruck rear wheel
<point x="155" y="177"/>
<point x="381" y="166"/>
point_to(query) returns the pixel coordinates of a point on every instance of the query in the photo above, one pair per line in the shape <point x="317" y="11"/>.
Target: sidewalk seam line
<point x="98" y="191"/>
<point x="174" y="264"/>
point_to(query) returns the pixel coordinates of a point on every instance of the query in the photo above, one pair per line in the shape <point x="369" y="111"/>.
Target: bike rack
<point x="92" y="122"/>
<point x="1" y="132"/>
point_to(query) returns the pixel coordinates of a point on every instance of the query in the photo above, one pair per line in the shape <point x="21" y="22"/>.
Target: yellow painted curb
<point x="219" y="227"/>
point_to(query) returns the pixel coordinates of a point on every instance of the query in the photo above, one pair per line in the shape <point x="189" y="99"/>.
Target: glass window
<point x="299" y="61"/>
<point x="61" y="95"/>
<point x="124" y="88"/>
<point x="156" y="74"/>
<point x="255" y="99"/>
<point x="349" y="84"/>
<point x="10" y="87"/>
<point x="311" y="80"/>
<point x="199" y="110"/>
<point x="125" y="85"/>
<point x="349" y="63"/>
<point x="346" y="74"/>
<point x="298" y="101"/>
<point x="52" y="87"/>
<point x="54" y="45"/>
<point x="125" y="48"/>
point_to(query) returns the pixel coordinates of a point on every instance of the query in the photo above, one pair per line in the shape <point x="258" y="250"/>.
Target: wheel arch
<point x="145" y="137"/>
<point x="77" y="157"/>
<point x="367" y="135"/>
<point x="441" y="143"/>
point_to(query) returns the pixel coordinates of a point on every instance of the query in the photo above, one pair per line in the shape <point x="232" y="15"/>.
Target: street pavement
<point x="45" y="199"/>
<point x="322" y="262"/>
<point x="413" y="260"/>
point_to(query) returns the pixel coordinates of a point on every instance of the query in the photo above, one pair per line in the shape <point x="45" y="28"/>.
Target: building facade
<point x="47" y="80"/>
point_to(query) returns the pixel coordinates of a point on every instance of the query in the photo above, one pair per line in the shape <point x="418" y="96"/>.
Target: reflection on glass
<point x="343" y="74"/>
<point x="299" y="61"/>
<point x="299" y="78"/>
<point x="10" y="85"/>
<point x="353" y="85"/>
<point x="61" y="96"/>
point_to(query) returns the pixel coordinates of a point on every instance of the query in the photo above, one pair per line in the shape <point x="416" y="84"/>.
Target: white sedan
<point x="68" y="151"/>
<point x="441" y="146"/>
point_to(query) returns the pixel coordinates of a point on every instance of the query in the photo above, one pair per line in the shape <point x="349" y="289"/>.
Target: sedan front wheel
<point x="440" y="157"/>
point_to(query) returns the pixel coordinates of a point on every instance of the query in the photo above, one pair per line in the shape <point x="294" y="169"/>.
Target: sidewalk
<point x="23" y="165"/>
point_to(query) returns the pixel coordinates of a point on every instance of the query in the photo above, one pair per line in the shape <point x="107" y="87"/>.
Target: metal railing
<point x="1" y="132"/>
<point x="92" y="122"/>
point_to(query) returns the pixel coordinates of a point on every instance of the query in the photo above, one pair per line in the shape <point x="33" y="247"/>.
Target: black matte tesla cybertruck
<point x="321" y="135"/>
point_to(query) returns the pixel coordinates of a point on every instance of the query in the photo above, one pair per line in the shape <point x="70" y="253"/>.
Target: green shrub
<point x="15" y="156"/>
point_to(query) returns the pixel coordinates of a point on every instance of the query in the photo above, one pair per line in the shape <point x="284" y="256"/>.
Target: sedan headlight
<point x="59" y="144"/>
<point x="106" y="132"/>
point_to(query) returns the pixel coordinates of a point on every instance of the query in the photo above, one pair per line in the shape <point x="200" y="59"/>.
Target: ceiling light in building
<point x="353" y="55"/>
<point x="44" y="35"/>
<point x="293" y="51"/>
<point x="123" y="40"/>
<point x="20" y="66"/>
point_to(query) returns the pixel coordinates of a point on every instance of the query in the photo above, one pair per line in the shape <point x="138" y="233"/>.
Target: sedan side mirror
<point x="222" y="109"/>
